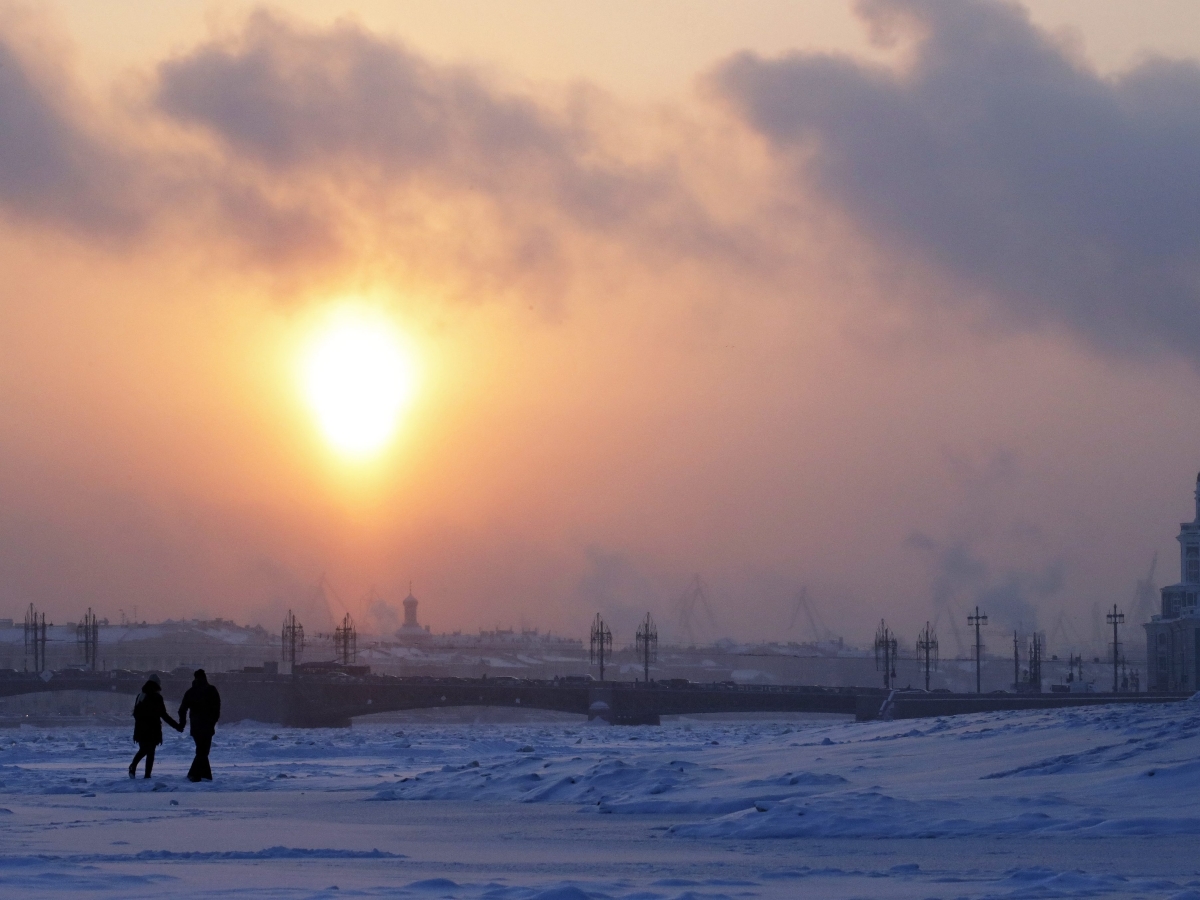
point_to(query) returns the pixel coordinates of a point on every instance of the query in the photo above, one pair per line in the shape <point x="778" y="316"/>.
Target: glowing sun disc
<point x="358" y="379"/>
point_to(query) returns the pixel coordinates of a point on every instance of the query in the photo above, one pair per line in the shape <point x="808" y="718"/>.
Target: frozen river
<point x="1098" y="802"/>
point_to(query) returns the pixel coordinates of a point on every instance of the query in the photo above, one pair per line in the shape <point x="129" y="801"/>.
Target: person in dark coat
<point x="204" y="703"/>
<point x="149" y="712"/>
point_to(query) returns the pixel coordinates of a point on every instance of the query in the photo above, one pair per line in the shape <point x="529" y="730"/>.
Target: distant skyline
<point x="894" y="301"/>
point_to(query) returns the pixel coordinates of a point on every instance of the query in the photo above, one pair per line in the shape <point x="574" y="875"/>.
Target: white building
<point x="1173" y="636"/>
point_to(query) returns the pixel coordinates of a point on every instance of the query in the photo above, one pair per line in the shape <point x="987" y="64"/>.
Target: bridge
<point x="332" y="700"/>
<point x="921" y="704"/>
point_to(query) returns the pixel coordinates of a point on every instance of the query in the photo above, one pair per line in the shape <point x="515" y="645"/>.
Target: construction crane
<point x="816" y="626"/>
<point x="322" y="592"/>
<point x="958" y="638"/>
<point x="693" y="604"/>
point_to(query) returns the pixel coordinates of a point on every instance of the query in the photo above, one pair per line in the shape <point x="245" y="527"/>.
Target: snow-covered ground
<point x="1100" y="802"/>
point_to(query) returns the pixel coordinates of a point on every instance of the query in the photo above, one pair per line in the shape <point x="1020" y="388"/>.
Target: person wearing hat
<point x="204" y="703"/>
<point x="149" y="711"/>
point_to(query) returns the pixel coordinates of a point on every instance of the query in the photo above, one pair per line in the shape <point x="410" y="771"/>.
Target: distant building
<point x="411" y="630"/>
<point x="1173" y="636"/>
<point x="217" y="645"/>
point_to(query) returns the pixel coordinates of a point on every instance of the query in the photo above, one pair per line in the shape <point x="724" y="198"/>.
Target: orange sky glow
<point x="675" y="288"/>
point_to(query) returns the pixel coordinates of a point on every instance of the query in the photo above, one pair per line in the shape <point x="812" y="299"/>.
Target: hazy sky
<point x="899" y="301"/>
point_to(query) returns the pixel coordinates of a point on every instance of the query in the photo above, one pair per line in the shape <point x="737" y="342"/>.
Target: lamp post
<point x="978" y="619"/>
<point x="1114" y="619"/>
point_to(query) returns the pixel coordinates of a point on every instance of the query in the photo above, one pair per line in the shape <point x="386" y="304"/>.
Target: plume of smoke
<point x="1058" y="197"/>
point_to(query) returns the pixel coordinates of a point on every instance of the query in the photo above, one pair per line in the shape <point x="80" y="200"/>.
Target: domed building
<point x="411" y="631"/>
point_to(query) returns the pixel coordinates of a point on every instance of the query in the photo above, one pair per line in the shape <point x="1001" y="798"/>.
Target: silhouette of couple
<point x="150" y="711"/>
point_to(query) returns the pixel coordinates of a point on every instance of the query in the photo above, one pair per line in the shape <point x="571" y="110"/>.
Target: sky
<point x="894" y="302"/>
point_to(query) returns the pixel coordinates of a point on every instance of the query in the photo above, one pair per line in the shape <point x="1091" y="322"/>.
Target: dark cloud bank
<point x="1067" y="198"/>
<point x="51" y="170"/>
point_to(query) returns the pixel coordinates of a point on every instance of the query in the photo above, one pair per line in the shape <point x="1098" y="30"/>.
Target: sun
<point x="358" y="379"/>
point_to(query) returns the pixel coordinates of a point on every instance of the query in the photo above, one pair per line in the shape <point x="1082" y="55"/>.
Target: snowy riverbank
<point x="1088" y="802"/>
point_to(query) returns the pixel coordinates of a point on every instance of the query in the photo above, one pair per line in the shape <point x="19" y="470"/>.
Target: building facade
<point x="1173" y="636"/>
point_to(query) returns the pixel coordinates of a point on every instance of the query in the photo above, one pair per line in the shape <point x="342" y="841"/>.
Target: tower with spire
<point x="411" y="630"/>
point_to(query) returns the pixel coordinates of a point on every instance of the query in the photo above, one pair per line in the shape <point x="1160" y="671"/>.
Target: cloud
<point x="962" y="579"/>
<point x="351" y="108"/>
<point x="52" y="169"/>
<point x="107" y="176"/>
<point x="289" y="97"/>
<point x="386" y="615"/>
<point x="1064" y="198"/>
<point x="298" y="149"/>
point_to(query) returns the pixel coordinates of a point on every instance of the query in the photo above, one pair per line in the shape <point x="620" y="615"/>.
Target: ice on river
<point x="1101" y="802"/>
